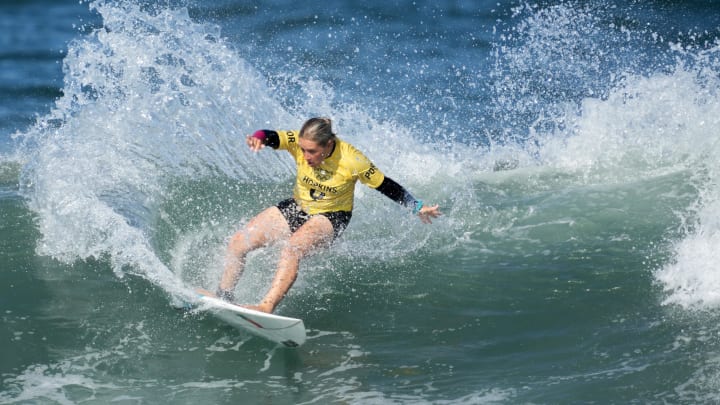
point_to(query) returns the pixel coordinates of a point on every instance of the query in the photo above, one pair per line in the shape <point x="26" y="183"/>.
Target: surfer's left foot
<point x="262" y="308"/>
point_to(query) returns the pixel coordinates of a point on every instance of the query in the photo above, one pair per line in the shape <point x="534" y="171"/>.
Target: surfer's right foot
<point x="262" y="308"/>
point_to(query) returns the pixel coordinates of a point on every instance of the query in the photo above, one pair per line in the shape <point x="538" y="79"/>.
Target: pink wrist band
<point x="259" y="134"/>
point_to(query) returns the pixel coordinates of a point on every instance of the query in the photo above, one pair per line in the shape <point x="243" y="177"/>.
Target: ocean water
<point x="573" y="147"/>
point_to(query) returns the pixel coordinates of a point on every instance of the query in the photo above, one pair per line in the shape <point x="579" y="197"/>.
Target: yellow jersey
<point x="330" y="186"/>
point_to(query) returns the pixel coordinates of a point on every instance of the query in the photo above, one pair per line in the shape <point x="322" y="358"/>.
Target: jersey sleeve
<point x="288" y="139"/>
<point x="367" y="172"/>
<point x="394" y="191"/>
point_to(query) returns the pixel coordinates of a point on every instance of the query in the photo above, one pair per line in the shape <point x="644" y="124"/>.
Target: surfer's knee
<point x="247" y="239"/>
<point x="315" y="234"/>
<point x="291" y="252"/>
<point x="239" y="245"/>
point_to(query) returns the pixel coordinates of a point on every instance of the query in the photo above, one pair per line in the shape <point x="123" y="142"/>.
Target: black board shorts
<point x="296" y="217"/>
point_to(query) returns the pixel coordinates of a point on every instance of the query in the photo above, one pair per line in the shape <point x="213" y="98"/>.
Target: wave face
<point x="572" y="147"/>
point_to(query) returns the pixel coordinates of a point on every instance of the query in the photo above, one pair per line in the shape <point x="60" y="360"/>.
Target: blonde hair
<point x="318" y="130"/>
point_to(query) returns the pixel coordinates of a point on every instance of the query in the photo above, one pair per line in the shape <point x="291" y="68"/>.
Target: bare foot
<point x="260" y="307"/>
<point x="205" y="292"/>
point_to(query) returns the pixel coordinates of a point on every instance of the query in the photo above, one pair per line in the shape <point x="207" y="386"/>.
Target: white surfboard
<point x="279" y="329"/>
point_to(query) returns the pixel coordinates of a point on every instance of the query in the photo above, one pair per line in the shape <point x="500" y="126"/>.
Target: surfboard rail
<point x="287" y="331"/>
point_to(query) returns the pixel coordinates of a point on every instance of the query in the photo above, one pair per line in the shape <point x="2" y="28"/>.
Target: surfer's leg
<point x="316" y="232"/>
<point x="267" y="227"/>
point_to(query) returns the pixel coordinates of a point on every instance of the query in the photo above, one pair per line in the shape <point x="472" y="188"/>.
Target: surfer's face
<point x="314" y="153"/>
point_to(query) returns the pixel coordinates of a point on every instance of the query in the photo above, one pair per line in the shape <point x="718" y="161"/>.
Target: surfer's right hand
<point x="254" y="143"/>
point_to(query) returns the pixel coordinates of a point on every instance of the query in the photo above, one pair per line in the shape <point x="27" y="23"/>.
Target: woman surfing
<point x="319" y="210"/>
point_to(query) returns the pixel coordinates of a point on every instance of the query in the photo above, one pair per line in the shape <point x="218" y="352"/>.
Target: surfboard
<point x="283" y="330"/>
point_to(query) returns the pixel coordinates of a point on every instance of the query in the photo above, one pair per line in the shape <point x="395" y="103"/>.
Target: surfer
<point x="318" y="212"/>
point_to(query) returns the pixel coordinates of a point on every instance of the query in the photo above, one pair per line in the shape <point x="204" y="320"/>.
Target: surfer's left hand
<point x="428" y="212"/>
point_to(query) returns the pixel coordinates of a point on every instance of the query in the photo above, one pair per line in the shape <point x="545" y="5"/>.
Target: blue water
<point x="572" y="146"/>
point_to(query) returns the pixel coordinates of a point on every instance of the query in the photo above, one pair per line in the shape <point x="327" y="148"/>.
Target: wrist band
<point x="259" y="134"/>
<point x="418" y="207"/>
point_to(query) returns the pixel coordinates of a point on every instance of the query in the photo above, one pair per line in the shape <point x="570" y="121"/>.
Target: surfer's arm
<point x="263" y="137"/>
<point x="394" y="191"/>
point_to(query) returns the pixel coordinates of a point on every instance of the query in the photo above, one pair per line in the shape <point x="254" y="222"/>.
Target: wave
<point x="619" y="104"/>
<point x="153" y="118"/>
<point x="591" y="157"/>
<point x="142" y="161"/>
